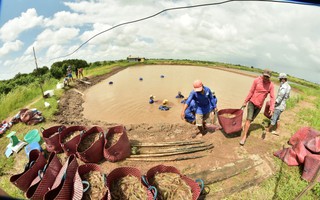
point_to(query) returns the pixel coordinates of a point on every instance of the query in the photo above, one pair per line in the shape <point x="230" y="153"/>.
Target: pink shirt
<point x="259" y="92"/>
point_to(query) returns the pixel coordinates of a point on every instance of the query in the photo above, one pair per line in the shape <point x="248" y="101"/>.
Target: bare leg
<point x="245" y="132"/>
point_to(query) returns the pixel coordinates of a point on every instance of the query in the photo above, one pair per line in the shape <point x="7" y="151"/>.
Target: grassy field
<point x="287" y="180"/>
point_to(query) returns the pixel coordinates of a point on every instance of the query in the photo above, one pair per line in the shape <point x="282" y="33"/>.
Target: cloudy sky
<point x="280" y="36"/>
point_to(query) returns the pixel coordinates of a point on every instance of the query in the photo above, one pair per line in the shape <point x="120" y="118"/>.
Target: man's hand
<point x="270" y="112"/>
<point x="244" y="105"/>
<point x="182" y="115"/>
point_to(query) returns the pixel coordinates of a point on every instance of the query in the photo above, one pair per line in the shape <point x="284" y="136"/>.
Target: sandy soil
<point x="226" y="147"/>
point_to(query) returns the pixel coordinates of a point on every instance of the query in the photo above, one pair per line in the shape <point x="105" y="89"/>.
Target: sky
<point x="280" y="36"/>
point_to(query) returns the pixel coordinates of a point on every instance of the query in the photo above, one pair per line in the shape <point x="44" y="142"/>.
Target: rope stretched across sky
<point x="306" y="2"/>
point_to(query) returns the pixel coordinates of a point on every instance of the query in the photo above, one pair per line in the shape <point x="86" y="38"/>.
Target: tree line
<point x="57" y="71"/>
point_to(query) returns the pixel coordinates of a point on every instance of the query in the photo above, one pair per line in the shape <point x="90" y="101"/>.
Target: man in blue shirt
<point x="205" y="103"/>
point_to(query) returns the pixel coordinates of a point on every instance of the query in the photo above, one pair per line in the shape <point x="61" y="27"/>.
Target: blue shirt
<point x="205" y="102"/>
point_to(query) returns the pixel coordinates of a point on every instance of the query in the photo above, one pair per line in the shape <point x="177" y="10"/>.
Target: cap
<point x="267" y="72"/>
<point x="282" y="75"/>
<point x="197" y="85"/>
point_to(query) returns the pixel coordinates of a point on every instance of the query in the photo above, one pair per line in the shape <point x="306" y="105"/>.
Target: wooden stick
<point x="173" y="153"/>
<point x="160" y="144"/>
<point x="174" y="149"/>
<point x="163" y="159"/>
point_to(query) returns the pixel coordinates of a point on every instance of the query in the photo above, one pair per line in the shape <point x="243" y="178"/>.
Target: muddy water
<point x="126" y="101"/>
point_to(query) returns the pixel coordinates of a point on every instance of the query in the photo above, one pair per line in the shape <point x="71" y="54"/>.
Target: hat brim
<point x="199" y="89"/>
<point x="268" y="75"/>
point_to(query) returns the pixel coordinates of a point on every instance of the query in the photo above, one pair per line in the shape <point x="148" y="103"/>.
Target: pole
<point x="35" y="60"/>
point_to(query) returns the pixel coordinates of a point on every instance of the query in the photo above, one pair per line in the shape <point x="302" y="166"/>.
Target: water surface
<point x="126" y="101"/>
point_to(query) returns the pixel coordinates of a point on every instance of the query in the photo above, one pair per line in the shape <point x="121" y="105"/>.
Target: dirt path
<point x="226" y="148"/>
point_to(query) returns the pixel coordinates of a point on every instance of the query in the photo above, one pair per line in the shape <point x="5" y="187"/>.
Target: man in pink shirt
<point x="261" y="87"/>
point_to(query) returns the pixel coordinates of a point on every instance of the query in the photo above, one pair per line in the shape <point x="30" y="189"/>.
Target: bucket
<point x="32" y="136"/>
<point x="32" y="146"/>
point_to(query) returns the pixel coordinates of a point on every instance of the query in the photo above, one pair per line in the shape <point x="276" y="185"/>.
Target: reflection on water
<point x="126" y="101"/>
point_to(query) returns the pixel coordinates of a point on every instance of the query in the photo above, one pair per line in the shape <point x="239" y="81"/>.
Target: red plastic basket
<point x="95" y="152"/>
<point x="120" y="172"/>
<point x="70" y="147"/>
<point x="195" y="188"/>
<point x="232" y="124"/>
<point x="51" y="140"/>
<point x="121" y="149"/>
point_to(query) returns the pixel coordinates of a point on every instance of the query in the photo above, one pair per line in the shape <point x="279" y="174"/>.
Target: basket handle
<point x="87" y="186"/>
<point x="41" y="129"/>
<point x="201" y="184"/>
<point x="150" y="187"/>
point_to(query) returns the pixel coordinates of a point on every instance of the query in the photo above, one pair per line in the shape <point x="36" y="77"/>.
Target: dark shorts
<point x="252" y="111"/>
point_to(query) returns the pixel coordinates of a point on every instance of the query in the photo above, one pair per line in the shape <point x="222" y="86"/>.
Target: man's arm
<point x="272" y="99"/>
<point x="185" y="106"/>
<point x="252" y="89"/>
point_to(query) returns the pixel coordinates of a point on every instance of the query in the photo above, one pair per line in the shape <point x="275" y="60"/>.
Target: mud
<point x="226" y="147"/>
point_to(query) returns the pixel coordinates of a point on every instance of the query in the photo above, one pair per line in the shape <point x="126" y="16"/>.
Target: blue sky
<point x="282" y="37"/>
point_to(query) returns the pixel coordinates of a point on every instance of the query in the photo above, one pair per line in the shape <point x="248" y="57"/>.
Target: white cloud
<point x="279" y="36"/>
<point x="10" y="47"/>
<point x="13" y="28"/>
<point x="62" y="36"/>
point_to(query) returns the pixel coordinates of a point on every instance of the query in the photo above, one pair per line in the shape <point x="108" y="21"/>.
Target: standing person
<point x="261" y="87"/>
<point x="280" y="104"/>
<point x="77" y="72"/>
<point x="69" y="73"/>
<point x="204" y="103"/>
<point x="80" y="72"/>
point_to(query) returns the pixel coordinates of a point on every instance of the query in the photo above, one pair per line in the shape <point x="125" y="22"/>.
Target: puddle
<point x="126" y="101"/>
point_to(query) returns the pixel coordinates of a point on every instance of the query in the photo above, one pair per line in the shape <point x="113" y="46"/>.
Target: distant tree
<point x="40" y="71"/>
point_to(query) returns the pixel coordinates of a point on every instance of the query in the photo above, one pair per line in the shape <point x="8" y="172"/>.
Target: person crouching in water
<point x="151" y="99"/>
<point x="204" y="102"/>
<point x="164" y="105"/>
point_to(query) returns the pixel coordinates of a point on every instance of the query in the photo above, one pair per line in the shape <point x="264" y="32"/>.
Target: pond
<point x="126" y="101"/>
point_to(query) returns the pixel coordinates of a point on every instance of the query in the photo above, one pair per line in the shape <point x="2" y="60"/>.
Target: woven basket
<point x="70" y="147"/>
<point x="195" y="188"/>
<point x="68" y="184"/>
<point x="94" y="153"/>
<point x="52" y="143"/>
<point x="120" y="172"/>
<point x="230" y="125"/>
<point x="24" y="179"/>
<point x="86" y="168"/>
<point x="119" y="150"/>
<point x="45" y="179"/>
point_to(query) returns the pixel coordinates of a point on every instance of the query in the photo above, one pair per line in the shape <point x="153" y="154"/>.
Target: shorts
<point x="275" y="117"/>
<point x="70" y="75"/>
<point x="200" y="119"/>
<point x="252" y="111"/>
